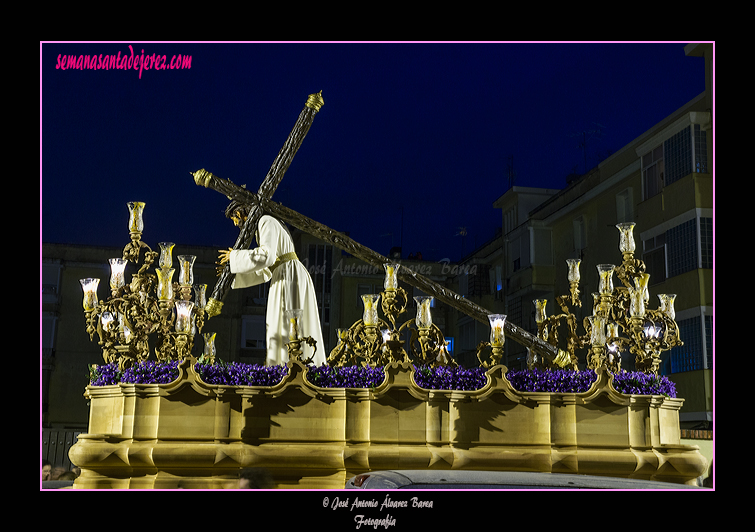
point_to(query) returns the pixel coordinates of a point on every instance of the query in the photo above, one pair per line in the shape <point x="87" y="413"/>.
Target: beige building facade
<point x="663" y="182"/>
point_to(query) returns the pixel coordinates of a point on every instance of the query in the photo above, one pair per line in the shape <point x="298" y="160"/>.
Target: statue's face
<point x="238" y="219"/>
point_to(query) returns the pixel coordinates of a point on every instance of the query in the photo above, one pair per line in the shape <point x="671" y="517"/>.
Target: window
<point x="679" y="249"/>
<point x="496" y="281"/>
<point x="256" y="295"/>
<point x="654" y="257"/>
<point x="363" y="289"/>
<point x="679" y="155"/>
<point x="624" y="206"/>
<point x="509" y="220"/>
<point x="479" y="280"/>
<point x="515" y="253"/>
<point x="253" y="336"/>
<point x="319" y="263"/>
<point x="652" y="172"/>
<point x="580" y="236"/>
<point x="697" y="351"/>
<point x="701" y="150"/>
<point x="467" y="335"/>
<point x="706" y="243"/>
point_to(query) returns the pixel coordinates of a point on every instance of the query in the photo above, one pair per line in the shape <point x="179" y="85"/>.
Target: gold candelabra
<point x="620" y="318"/>
<point x="151" y="304"/>
<point x="374" y="341"/>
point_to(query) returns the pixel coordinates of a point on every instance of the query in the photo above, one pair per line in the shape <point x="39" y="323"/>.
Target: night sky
<point x="414" y="142"/>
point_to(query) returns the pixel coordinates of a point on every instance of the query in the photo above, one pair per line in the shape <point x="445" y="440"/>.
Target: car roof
<point x="457" y="479"/>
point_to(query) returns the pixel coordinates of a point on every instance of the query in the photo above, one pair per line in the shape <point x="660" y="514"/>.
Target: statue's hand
<point x="224" y="257"/>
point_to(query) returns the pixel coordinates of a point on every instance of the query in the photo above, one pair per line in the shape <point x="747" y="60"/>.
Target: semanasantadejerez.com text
<point x="127" y="61"/>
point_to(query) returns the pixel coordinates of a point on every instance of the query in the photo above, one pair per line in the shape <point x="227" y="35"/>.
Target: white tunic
<point x="290" y="288"/>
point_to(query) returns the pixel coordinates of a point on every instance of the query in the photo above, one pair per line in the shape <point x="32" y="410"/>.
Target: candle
<point x="540" y="310"/>
<point x="605" y="271"/>
<point x="641" y="283"/>
<point x="573" y="265"/>
<point x="424" y="317"/>
<point x="636" y="303"/>
<point x="626" y="239"/>
<point x="294" y="324"/>
<point x="186" y="275"/>
<point x="117" y="268"/>
<point x="667" y="304"/>
<point x="391" y="270"/>
<point x="597" y="330"/>
<point x="497" y="322"/>
<point x="183" y="316"/>
<point x="166" y="254"/>
<point x="135" y="223"/>
<point x="370" y="315"/>
<point x="209" y="345"/>
<point x="165" y="284"/>
<point x="90" y="293"/>
<point x="199" y="295"/>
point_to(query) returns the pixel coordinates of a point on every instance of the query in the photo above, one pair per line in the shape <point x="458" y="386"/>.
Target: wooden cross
<point x="341" y="241"/>
<point x="266" y="190"/>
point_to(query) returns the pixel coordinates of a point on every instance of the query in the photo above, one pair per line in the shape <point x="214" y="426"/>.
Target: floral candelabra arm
<point x="150" y="304"/>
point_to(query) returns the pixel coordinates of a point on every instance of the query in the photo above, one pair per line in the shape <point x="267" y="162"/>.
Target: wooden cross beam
<point x="341" y="241"/>
<point x="266" y="190"/>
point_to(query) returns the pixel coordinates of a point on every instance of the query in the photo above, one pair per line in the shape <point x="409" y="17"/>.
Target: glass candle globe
<point x="293" y="317"/>
<point x="391" y="282"/>
<point x="165" y="283"/>
<point x="605" y="272"/>
<point x="540" y="316"/>
<point x="90" y="293"/>
<point x="166" y="255"/>
<point x="135" y="210"/>
<point x="186" y="274"/>
<point x="497" y="322"/>
<point x="183" y="316"/>
<point x="424" y="316"/>
<point x="626" y="239"/>
<point x="573" y="274"/>
<point x="370" y="314"/>
<point x="117" y="270"/>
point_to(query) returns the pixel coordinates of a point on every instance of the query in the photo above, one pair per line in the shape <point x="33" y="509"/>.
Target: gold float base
<point x="189" y="434"/>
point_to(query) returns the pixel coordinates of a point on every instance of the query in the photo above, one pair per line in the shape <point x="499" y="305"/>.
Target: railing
<point x="55" y="446"/>
<point x="696" y="434"/>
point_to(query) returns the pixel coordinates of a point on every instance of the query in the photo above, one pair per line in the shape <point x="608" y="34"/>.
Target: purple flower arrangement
<point x="558" y="381"/>
<point x="448" y="378"/>
<point x="427" y="377"/>
<point x="237" y="374"/>
<point x="569" y="381"/>
<point x="637" y="383"/>
<point x="325" y="376"/>
<point x="150" y="372"/>
<point x="104" y="374"/>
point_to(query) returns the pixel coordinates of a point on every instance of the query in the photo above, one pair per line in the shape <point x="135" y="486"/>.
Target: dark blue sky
<point x="423" y="130"/>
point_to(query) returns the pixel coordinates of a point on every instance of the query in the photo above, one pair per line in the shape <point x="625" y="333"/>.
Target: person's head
<point x="46" y="469"/>
<point x="255" y="478"/>
<point x="237" y="212"/>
